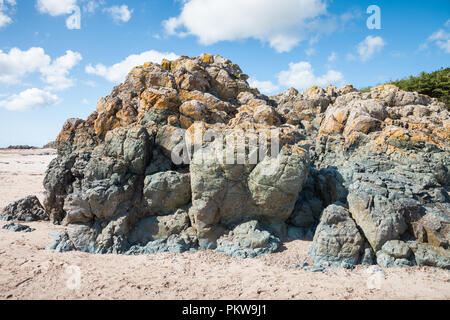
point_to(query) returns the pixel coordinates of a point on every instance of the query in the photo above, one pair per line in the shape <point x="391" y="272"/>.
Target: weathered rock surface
<point x="133" y="178"/>
<point x="27" y="209"/>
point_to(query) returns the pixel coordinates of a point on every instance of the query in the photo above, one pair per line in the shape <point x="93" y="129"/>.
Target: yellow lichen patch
<point x="154" y="99"/>
<point x="105" y="124"/>
<point x="173" y="120"/>
<point x="340" y="116"/>
<point x="213" y="104"/>
<point x="294" y="150"/>
<point x="207" y="58"/>
<point x="166" y="64"/>
<point x="385" y="87"/>
<point x="347" y="89"/>
<point x="352" y="138"/>
<point x="126" y="116"/>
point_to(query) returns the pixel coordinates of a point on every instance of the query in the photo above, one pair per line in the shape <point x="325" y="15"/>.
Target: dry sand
<point x="28" y="271"/>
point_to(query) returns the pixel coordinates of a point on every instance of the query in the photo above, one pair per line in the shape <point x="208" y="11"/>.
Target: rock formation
<point x="370" y="171"/>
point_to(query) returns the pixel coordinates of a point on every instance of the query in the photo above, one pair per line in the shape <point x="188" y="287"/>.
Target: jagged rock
<point x="428" y="255"/>
<point x="376" y="215"/>
<point x="61" y="242"/>
<point x="247" y="240"/>
<point x="17" y="227"/>
<point x="337" y="239"/>
<point x="175" y="243"/>
<point x="26" y="209"/>
<point x="395" y="253"/>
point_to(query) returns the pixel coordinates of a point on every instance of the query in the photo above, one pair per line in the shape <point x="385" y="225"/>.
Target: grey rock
<point x="337" y="239"/>
<point x="377" y="216"/>
<point x="160" y="227"/>
<point x="61" y="242"/>
<point x="27" y="209"/>
<point x="397" y="249"/>
<point x="227" y="194"/>
<point x="165" y="192"/>
<point x="174" y="243"/>
<point x="247" y="240"/>
<point x="17" y="227"/>
<point x="427" y="255"/>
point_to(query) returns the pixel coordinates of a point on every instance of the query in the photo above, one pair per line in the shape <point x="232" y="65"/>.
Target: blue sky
<point x="58" y="57"/>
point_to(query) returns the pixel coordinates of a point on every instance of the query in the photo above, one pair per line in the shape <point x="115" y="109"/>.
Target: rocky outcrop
<point x="134" y="177"/>
<point x="27" y="209"/>
<point x="185" y="155"/>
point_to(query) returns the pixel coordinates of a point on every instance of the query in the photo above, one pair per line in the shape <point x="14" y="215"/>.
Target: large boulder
<point x="337" y="239"/>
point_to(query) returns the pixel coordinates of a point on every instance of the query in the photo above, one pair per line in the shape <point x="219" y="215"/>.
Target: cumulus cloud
<point x="266" y="87"/>
<point x="440" y="38"/>
<point x="117" y="72"/>
<point x="301" y="76"/>
<point x="16" y="64"/>
<point x="369" y="47"/>
<point x="5" y="7"/>
<point x="56" y="7"/>
<point x="56" y="73"/>
<point x="119" y="14"/>
<point x="283" y="24"/>
<point x="30" y="99"/>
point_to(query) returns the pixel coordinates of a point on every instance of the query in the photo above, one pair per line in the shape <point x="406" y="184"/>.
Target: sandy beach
<point x="28" y="271"/>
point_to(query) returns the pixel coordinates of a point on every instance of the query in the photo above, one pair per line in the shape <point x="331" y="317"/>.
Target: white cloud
<point x="440" y="38"/>
<point x="56" y="7"/>
<point x="333" y="57"/>
<point x="30" y="99"/>
<point x="283" y="24"/>
<point x="117" y="72"/>
<point x="369" y="47"/>
<point x="16" y="64"/>
<point x="301" y="76"/>
<point x="5" y="6"/>
<point x="4" y="20"/>
<point x="266" y="87"/>
<point x="55" y="74"/>
<point x="119" y="14"/>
